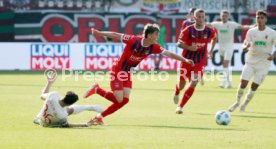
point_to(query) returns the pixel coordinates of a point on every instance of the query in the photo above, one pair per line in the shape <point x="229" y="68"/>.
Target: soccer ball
<point x="223" y="117"/>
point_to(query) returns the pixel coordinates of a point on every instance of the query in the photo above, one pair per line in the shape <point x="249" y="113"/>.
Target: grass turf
<point x="147" y="121"/>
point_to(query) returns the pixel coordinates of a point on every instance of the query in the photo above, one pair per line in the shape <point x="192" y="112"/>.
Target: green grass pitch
<point x="148" y="121"/>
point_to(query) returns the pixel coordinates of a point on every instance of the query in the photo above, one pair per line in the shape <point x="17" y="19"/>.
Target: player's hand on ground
<point x="193" y="48"/>
<point x="270" y="57"/>
<point x="210" y="55"/>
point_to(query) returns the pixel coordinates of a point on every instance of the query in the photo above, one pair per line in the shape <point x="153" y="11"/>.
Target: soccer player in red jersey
<point x="190" y="19"/>
<point x="193" y="40"/>
<point x="136" y="49"/>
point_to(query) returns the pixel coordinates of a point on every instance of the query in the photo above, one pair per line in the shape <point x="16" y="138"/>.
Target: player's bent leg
<point x="91" y="90"/>
<point x="178" y="88"/>
<point x="76" y="109"/>
<point x="119" y="94"/>
<point x="223" y="81"/>
<point x="239" y="95"/>
<point x="109" y="110"/>
<point x="228" y="83"/>
<point x="187" y="95"/>
<point x="125" y="98"/>
<point x="249" y="96"/>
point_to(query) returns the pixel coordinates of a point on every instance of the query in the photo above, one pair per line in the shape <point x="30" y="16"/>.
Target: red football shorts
<point x="187" y="71"/>
<point x="119" y="79"/>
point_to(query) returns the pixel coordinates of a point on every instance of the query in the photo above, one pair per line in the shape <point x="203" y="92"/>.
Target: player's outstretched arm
<point x="178" y="57"/>
<point x="51" y="77"/>
<point x="113" y="35"/>
<point x="246" y="27"/>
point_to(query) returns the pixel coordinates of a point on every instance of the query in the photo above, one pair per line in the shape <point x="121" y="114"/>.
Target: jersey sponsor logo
<point x="135" y="58"/>
<point x="260" y="43"/>
<point x="50" y="56"/>
<point x="223" y="31"/>
<point x="199" y="45"/>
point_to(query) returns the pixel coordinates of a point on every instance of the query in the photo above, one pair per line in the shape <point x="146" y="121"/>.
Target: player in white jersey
<point x="226" y="31"/>
<point x="56" y="108"/>
<point x="259" y="43"/>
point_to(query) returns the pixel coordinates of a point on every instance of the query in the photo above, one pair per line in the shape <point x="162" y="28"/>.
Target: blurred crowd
<point x="89" y="5"/>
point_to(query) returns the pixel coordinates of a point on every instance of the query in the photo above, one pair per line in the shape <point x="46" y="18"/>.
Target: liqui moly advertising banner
<point x="95" y="56"/>
<point x="50" y="56"/>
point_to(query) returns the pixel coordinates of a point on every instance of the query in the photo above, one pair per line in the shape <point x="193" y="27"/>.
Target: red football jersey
<point x="192" y="36"/>
<point x="134" y="52"/>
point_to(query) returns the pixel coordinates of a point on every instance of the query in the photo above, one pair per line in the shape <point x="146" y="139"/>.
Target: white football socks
<point x="239" y="94"/>
<point x="81" y="108"/>
<point x="250" y="94"/>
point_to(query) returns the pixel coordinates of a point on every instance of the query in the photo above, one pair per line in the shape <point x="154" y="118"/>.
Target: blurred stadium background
<point x="55" y="34"/>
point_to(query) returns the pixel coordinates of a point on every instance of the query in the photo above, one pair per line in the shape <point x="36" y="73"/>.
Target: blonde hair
<point x="198" y="11"/>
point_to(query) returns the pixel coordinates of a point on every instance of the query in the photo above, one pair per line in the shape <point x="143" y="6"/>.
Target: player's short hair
<point x="261" y="12"/>
<point x="192" y="10"/>
<point x="150" y="28"/>
<point x="70" y="98"/>
<point x="224" y="11"/>
<point x="198" y="11"/>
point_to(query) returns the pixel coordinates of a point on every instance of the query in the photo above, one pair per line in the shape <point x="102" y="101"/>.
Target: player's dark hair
<point x="70" y="98"/>
<point x="192" y="10"/>
<point x="150" y="28"/>
<point x="261" y="12"/>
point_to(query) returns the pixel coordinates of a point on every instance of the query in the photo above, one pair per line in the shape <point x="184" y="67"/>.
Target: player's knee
<point x="225" y="63"/>
<point x="254" y="86"/>
<point x="243" y="84"/>
<point x="181" y="85"/>
<point x="125" y="101"/>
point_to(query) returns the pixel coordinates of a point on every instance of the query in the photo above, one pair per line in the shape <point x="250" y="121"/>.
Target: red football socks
<point x="188" y="93"/>
<point x="114" y="107"/>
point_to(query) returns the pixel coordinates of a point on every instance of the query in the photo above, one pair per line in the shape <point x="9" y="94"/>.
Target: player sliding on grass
<point x="193" y="40"/>
<point x="56" y="108"/>
<point x="258" y="44"/>
<point x="136" y="49"/>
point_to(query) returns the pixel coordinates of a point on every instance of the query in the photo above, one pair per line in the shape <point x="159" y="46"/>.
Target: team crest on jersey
<point x="266" y="36"/>
<point x="117" y="85"/>
<point x="205" y="36"/>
